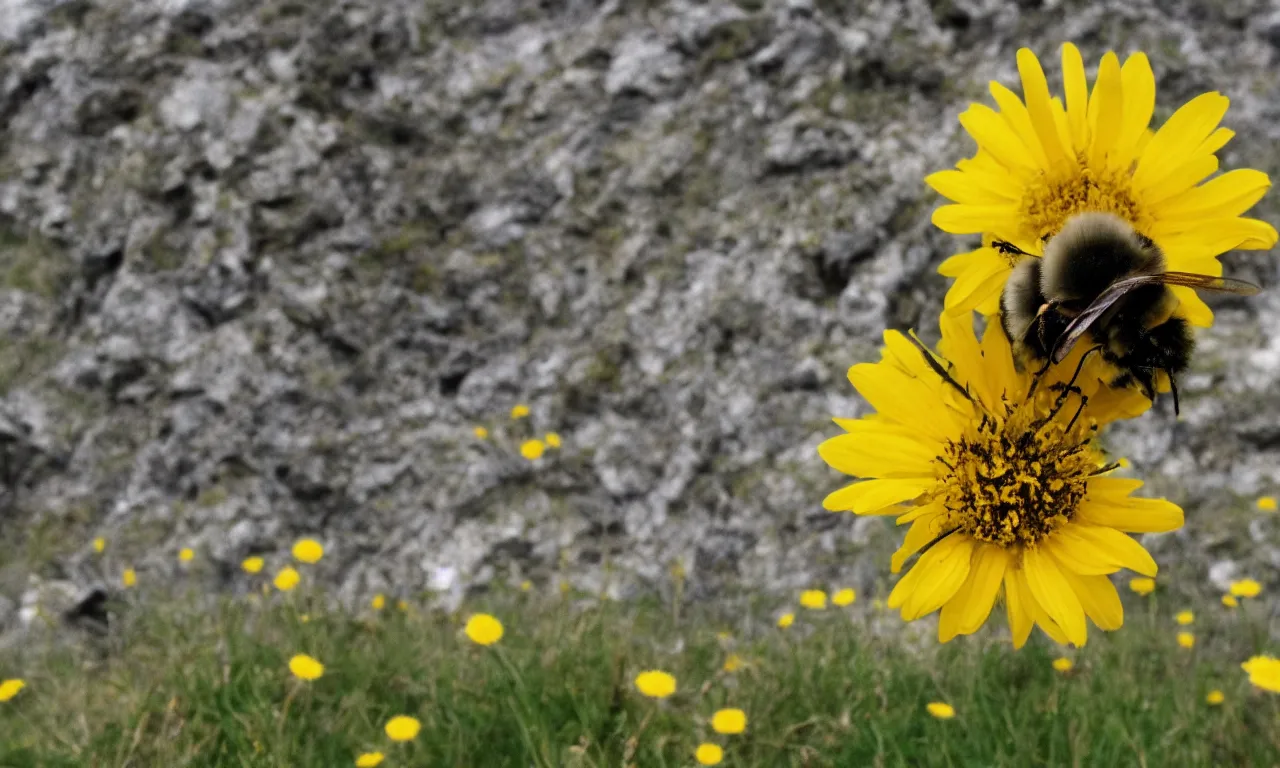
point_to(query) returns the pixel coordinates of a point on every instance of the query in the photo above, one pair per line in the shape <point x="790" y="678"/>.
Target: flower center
<point x="1048" y="204"/>
<point x="1012" y="481"/>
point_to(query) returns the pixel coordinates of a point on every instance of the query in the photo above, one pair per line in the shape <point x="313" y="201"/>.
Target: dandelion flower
<point x="1264" y="672"/>
<point x="786" y="620"/>
<point x="99" y="545"/>
<point x="656" y="684"/>
<point x="1215" y="698"/>
<point x="378" y="602"/>
<point x="1063" y="664"/>
<point x="483" y="629"/>
<point x="519" y="411"/>
<point x="1186" y="640"/>
<point x="708" y="754"/>
<point x="403" y="728"/>
<point x="532" y="449"/>
<point x="526" y="585"/>
<point x="186" y="554"/>
<point x="252" y="564"/>
<point x="305" y="667"/>
<point x="1245" y="588"/>
<point x="1184" y="618"/>
<point x="287" y="579"/>
<point x="308" y="551"/>
<point x="1040" y="162"/>
<point x="1142" y="585"/>
<point x="732" y="663"/>
<point x="1265" y="503"/>
<point x="1002" y="487"/>
<point x="1230" y="601"/>
<point x="729" y="721"/>
<point x="844" y="597"/>
<point x="940" y="710"/>
<point x="402" y="606"/>
<point x="552" y="440"/>
<point x="10" y="688"/>
<point x="129" y="578"/>
<point x="481" y="433"/>
<point x="813" y="599"/>
<point x="370" y="760"/>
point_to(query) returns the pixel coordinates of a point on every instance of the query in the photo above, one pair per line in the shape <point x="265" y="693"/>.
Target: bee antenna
<point x="938" y="369"/>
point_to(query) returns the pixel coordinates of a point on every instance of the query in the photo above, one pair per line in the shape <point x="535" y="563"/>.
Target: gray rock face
<point x="265" y="266"/>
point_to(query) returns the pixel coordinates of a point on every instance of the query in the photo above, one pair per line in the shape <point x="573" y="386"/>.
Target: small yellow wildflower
<point x="1063" y="664"/>
<point x="1185" y="617"/>
<point x="10" y="688"/>
<point x="252" y="564"/>
<point x="1267" y="503"/>
<point x="402" y="606"/>
<point x="483" y="629"/>
<point x="526" y="585"/>
<point x="1142" y="585"/>
<point x="1186" y="640"/>
<point x="565" y="586"/>
<point x="786" y="620"/>
<point x="729" y="721"/>
<point x="1245" y="588"/>
<point x="708" y="754"/>
<point x="1215" y="698"/>
<point x="369" y="760"/>
<point x="308" y="551"/>
<point x="186" y="554"/>
<point x="287" y="579"/>
<point x="813" y="599"/>
<point x="732" y="663"/>
<point x="532" y="449"/>
<point x="656" y="684"/>
<point x="481" y="432"/>
<point x="1264" y="672"/>
<point x="305" y="667"/>
<point x="519" y="411"/>
<point x="129" y="578"/>
<point x="403" y="728"/>
<point x="99" y="545"/>
<point x="844" y="597"/>
<point x="1230" y="601"/>
<point x="940" y="710"/>
<point x="552" y="439"/>
<point x="378" y="602"/>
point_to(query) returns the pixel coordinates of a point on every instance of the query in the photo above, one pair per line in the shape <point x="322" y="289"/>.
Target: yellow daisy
<point x="1005" y="490"/>
<point x="1039" y="162"/>
<point x="1264" y="672"/>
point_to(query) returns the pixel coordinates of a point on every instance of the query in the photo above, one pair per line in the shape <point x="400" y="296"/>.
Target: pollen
<point x="1048" y="204"/>
<point x="1012" y="480"/>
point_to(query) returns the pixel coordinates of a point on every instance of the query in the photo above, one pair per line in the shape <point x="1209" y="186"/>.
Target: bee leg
<point x="1173" y="388"/>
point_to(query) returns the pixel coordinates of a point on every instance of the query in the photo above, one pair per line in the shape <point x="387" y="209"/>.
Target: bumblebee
<point x="1102" y="279"/>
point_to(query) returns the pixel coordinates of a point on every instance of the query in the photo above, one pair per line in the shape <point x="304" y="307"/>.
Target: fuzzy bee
<point x="1103" y="279"/>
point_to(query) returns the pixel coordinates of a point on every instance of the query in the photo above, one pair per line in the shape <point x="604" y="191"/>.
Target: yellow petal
<point x="983" y="277"/>
<point x="1035" y="89"/>
<point x="1017" y="601"/>
<point x="972" y="604"/>
<point x="873" y="496"/>
<point x="897" y="396"/>
<point x="1191" y="173"/>
<point x="966" y="188"/>
<point x="995" y="137"/>
<point x="927" y="527"/>
<point x="972" y="219"/>
<point x="1076" y="554"/>
<point x="1099" y="544"/>
<point x="1138" y="83"/>
<point x="1109" y="504"/>
<point x="960" y="347"/>
<point x="1076" y="89"/>
<point x="1106" y="110"/>
<point x="1053" y="593"/>
<point x="1185" y="130"/>
<point x="1099" y="599"/>
<point x="946" y="567"/>
<point x="877" y="449"/>
<point x="1225" y="196"/>
<point x="1019" y="119"/>
<point x="1216" y="141"/>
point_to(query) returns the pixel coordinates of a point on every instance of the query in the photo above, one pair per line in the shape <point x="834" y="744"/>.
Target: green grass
<point x="177" y="685"/>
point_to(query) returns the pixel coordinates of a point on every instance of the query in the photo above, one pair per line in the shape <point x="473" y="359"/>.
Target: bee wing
<point x="1206" y="283"/>
<point x="1118" y="289"/>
